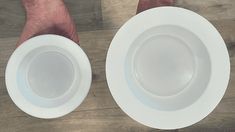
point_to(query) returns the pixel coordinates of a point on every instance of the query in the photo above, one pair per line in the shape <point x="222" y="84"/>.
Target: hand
<point x="147" y="4"/>
<point x="47" y="17"/>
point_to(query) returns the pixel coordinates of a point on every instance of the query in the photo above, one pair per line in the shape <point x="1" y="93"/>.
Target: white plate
<point x="167" y="67"/>
<point x="48" y="76"/>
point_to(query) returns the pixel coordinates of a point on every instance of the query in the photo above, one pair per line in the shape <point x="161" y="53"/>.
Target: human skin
<point x="148" y="4"/>
<point x="52" y="17"/>
<point x="47" y="17"/>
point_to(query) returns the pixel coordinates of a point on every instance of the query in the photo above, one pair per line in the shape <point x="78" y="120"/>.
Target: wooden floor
<point x="97" y="22"/>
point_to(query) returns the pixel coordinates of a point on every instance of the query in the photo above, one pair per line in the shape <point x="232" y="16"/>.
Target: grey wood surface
<point x="97" y="22"/>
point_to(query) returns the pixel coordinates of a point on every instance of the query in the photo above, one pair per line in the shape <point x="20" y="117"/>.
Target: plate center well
<point x="163" y="65"/>
<point x="50" y="74"/>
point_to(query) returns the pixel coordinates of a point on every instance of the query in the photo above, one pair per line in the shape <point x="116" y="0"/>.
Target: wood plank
<point x="211" y="9"/>
<point x="107" y="14"/>
<point x="11" y="18"/>
<point x="104" y="120"/>
<point x="99" y="112"/>
<point x="86" y="14"/>
<point x="116" y="13"/>
<point x="99" y="99"/>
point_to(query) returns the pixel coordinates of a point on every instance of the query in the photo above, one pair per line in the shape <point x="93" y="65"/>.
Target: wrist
<point x="41" y="7"/>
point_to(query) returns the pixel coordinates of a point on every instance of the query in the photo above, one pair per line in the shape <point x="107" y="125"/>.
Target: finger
<point x="26" y="34"/>
<point x="68" y="30"/>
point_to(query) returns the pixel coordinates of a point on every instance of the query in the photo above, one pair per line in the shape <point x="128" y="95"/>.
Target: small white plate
<point x="167" y="67"/>
<point x="48" y="76"/>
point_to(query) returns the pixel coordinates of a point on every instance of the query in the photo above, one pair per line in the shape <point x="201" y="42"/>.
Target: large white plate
<point x="167" y="67"/>
<point x="48" y="76"/>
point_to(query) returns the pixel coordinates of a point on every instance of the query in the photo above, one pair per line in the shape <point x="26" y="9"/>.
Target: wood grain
<point x="86" y="14"/>
<point x="99" y="112"/>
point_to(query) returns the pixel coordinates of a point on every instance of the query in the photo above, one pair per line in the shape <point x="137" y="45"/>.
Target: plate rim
<point x="119" y="89"/>
<point x="31" y="44"/>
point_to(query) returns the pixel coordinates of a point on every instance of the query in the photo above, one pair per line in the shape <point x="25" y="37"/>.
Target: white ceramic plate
<point x="48" y="76"/>
<point x="167" y="67"/>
